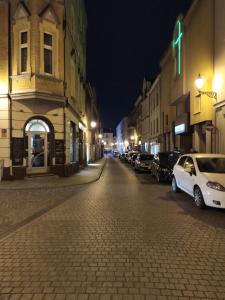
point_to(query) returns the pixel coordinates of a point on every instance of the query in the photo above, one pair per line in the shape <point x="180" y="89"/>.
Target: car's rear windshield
<point x="146" y="157"/>
<point x="211" y="164"/>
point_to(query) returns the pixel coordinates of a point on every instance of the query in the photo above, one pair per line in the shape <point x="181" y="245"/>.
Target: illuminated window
<point x="23" y="51"/>
<point x="48" y="53"/>
<point x="37" y="125"/>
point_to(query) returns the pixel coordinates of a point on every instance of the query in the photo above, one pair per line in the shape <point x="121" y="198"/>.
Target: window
<point x="167" y="120"/>
<point x="72" y="142"/>
<point x="190" y="164"/>
<point x="157" y="125"/>
<point x="182" y="161"/>
<point x="37" y="125"/>
<point x="48" y="53"/>
<point x="72" y="78"/>
<point x="23" y="51"/>
<point x="211" y="164"/>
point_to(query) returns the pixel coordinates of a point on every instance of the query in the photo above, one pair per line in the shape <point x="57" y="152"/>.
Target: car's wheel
<point x="198" y="197"/>
<point x="175" y="188"/>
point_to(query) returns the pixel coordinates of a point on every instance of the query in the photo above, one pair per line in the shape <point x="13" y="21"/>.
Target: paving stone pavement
<point x="123" y="237"/>
<point x="22" y="201"/>
<point x="84" y="176"/>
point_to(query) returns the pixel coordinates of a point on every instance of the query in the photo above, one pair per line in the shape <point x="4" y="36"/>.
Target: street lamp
<point x="199" y="83"/>
<point x="100" y="136"/>
<point x="93" y="124"/>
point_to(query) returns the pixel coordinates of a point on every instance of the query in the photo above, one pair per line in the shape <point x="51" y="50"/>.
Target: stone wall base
<point x="65" y="170"/>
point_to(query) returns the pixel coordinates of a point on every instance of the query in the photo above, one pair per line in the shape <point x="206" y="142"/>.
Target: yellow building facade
<point x="190" y="112"/>
<point x="42" y="86"/>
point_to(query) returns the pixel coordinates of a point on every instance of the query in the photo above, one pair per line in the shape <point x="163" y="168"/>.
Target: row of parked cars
<point x="202" y="176"/>
<point x="160" y="166"/>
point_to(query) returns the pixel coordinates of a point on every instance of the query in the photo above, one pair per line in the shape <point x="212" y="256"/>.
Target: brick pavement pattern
<point x="123" y="237"/>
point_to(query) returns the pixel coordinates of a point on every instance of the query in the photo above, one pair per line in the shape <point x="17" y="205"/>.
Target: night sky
<point x="126" y="39"/>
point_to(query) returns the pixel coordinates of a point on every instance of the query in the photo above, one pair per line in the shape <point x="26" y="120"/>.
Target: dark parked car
<point x="162" y="166"/>
<point x="130" y="155"/>
<point x="132" y="162"/>
<point x="122" y="156"/>
<point x="143" y="162"/>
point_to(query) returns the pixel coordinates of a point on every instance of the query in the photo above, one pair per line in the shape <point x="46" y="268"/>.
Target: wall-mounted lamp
<point x="199" y="83"/>
<point x="93" y="124"/>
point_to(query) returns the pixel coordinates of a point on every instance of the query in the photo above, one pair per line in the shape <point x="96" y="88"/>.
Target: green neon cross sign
<point x="177" y="43"/>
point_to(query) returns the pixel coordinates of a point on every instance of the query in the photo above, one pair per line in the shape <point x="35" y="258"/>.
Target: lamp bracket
<point x="210" y="94"/>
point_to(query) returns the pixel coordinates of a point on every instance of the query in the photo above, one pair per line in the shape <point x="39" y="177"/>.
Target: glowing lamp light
<point x="100" y="136"/>
<point x="132" y="137"/>
<point x="199" y="82"/>
<point x="93" y="124"/>
<point x="139" y="142"/>
<point x="126" y="143"/>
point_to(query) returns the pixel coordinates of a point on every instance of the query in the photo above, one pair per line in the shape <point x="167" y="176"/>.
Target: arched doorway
<point x="37" y="131"/>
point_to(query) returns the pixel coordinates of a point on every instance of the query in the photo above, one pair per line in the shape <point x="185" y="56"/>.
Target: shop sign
<point x="181" y="128"/>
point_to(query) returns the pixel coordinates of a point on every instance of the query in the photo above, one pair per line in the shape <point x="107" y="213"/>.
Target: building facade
<point x="94" y="136"/>
<point x="219" y="76"/>
<point x="108" y="141"/>
<point x="145" y="108"/>
<point x="42" y="86"/>
<point x="155" y="116"/>
<point x="122" y="135"/>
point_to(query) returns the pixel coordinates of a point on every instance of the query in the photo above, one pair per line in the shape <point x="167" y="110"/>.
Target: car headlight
<point x="216" y="186"/>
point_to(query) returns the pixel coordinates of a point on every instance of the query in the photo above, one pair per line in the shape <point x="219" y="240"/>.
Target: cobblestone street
<point x="122" y="237"/>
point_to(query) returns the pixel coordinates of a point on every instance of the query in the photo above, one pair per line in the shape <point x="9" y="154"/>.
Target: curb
<point x="56" y="186"/>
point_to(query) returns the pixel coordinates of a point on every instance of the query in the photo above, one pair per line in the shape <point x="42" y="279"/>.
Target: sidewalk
<point x="87" y="175"/>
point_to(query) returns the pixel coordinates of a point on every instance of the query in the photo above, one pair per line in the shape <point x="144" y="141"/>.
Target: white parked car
<point x="203" y="177"/>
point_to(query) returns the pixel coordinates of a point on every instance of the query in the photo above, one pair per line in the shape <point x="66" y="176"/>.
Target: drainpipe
<point x="64" y="83"/>
<point x="9" y="81"/>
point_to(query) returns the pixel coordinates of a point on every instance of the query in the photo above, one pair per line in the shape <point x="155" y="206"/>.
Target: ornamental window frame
<point x="52" y="29"/>
<point x="45" y="46"/>
<point x="21" y="47"/>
